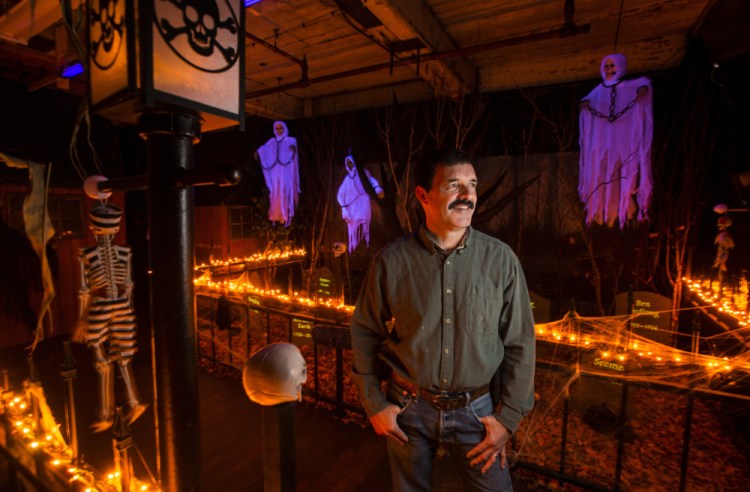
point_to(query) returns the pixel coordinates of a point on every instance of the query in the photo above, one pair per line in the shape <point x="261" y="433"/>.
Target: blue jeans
<point x="457" y="431"/>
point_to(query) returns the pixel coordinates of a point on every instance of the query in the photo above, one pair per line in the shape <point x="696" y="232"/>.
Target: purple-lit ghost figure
<point x="355" y="204"/>
<point x="278" y="158"/>
<point x="616" y="127"/>
<point x="275" y="374"/>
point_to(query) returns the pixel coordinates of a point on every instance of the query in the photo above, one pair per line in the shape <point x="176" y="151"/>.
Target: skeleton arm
<point x="128" y="278"/>
<point x="84" y="299"/>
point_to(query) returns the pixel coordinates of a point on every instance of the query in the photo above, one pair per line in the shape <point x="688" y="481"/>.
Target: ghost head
<point x="280" y="130"/>
<point x="613" y="68"/>
<point x="275" y="374"/>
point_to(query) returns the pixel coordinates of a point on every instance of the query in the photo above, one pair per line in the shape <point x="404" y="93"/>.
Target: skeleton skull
<point x="613" y="68"/>
<point x="278" y="127"/>
<point x="105" y="219"/>
<point x="275" y="374"/>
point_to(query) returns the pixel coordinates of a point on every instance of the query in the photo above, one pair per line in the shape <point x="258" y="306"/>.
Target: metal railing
<point x="330" y="341"/>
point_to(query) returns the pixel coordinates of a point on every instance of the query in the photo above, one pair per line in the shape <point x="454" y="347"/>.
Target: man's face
<point x="279" y="129"/>
<point x="610" y="70"/>
<point x="449" y="205"/>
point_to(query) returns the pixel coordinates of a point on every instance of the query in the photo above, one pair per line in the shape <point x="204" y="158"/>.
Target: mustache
<point x="460" y="201"/>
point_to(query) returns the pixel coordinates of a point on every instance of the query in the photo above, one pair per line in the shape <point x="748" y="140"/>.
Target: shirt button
<point x="447" y="351"/>
<point x="445" y="381"/>
<point x="448" y="262"/>
<point x="448" y="291"/>
<point x="447" y="321"/>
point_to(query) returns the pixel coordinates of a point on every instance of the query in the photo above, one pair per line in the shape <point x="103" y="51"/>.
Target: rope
<point x="617" y="31"/>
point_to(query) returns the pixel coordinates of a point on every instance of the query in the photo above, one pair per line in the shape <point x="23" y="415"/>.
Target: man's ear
<point x="421" y="194"/>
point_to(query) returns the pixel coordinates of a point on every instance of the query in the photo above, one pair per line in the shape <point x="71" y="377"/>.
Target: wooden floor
<point x="332" y="455"/>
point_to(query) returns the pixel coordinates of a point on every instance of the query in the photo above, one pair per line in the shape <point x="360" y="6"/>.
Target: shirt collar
<point x="428" y="240"/>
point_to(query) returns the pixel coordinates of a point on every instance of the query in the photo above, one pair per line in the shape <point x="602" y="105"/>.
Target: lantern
<point x="167" y="54"/>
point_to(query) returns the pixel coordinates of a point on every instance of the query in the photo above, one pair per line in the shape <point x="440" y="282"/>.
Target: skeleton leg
<point x="122" y="347"/>
<point x="106" y="410"/>
<point x="131" y="391"/>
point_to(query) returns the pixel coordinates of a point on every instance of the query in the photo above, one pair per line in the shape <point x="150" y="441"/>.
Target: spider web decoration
<point x="608" y="393"/>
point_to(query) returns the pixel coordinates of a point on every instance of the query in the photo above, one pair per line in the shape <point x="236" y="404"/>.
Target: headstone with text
<point x="302" y="332"/>
<point x="326" y="286"/>
<point x="651" y="315"/>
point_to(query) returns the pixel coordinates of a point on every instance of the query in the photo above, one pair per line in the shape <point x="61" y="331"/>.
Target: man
<point x="440" y="311"/>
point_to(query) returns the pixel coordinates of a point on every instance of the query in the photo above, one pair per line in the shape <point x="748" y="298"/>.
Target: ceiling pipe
<point x="567" y="30"/>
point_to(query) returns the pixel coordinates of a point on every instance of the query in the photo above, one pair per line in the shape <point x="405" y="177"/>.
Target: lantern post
<point x="175" y="76"/>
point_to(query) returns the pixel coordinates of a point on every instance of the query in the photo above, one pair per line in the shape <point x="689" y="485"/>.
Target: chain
<point x="612" y="116"/>
<point x="277" y="161"/>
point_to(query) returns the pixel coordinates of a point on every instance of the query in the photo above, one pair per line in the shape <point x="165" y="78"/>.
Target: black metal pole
<point x="122" y="441"/>
<point x="279" y="471"/>
<point x="686" y="440"/>
<point x="169" y="152"/>
<point x="69" y="372"/>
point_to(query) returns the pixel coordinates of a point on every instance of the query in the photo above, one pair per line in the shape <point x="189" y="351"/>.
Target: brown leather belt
<point x="442" y="400"/>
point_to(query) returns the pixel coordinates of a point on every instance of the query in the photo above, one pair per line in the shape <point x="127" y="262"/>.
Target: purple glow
<point x="70" y="71"/>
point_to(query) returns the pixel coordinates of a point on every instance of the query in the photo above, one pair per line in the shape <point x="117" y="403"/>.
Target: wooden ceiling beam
<point x="409" y="19"/>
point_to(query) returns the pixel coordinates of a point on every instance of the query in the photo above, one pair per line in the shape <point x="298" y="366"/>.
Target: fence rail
<point x="328" y="354"/>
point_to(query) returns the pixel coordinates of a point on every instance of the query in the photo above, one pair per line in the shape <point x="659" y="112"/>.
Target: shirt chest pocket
<point x="483" y="304"/>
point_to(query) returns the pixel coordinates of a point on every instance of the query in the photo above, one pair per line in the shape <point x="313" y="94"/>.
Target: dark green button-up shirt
<point x="446" y="321"/>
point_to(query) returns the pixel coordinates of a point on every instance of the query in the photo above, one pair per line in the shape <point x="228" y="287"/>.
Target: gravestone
<point x="651" y="315"/>
<point x="540" y="307"/>
<point x="326" y="285"/>
<point x="302" y="332"/>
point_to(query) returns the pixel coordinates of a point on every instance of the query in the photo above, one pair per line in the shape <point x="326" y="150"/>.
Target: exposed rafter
<point x="410" y="19"/>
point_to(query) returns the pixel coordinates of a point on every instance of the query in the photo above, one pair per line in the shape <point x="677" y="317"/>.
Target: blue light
<point x="251" y="2"/>
<point x="70" y="71"/>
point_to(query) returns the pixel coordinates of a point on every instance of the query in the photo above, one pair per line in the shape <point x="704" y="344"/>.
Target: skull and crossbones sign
<point x="107" y="21"/>
<point x="201" y="24"/>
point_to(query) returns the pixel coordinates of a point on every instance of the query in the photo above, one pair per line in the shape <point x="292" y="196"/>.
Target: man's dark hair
<point x="424" y="172"/>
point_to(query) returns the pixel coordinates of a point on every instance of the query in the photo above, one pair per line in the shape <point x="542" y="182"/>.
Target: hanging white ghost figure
<point x="280" y="163"/>
<point x="107" y="318"/>
<point x="355" y="203"/>
<point x="616" y="128"/>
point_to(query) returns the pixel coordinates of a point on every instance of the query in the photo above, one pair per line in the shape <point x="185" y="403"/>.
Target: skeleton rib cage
<point x="107" y="267"/>
<point x="106" y="276"/>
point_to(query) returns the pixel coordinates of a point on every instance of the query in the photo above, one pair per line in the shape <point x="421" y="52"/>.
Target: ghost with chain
<point x="107" y="319"/>
<point x="616" y="127"/>
<point x="278" y="158"/>
<point x="355" y="203"/>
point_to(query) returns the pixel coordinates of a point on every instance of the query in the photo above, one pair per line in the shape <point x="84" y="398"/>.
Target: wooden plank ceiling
<point x="306" y="58"/>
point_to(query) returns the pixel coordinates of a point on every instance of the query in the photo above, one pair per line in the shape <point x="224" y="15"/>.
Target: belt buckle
<point x="448" y="402"/>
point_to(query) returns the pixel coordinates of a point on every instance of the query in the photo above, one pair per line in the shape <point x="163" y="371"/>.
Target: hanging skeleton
<point x="107" y="319"/>
<point x="723" y="241"/>
<point x="616" y="127"/>
<point x="355" y="203"/>
<point x="278" y="158"/>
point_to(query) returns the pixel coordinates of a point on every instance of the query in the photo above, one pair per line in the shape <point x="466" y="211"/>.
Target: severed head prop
<point x="275" y="374"/>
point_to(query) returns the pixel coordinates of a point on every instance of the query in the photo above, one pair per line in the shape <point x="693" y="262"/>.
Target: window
<point x="65" y="213"/>
<point x="240" y="222"/>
